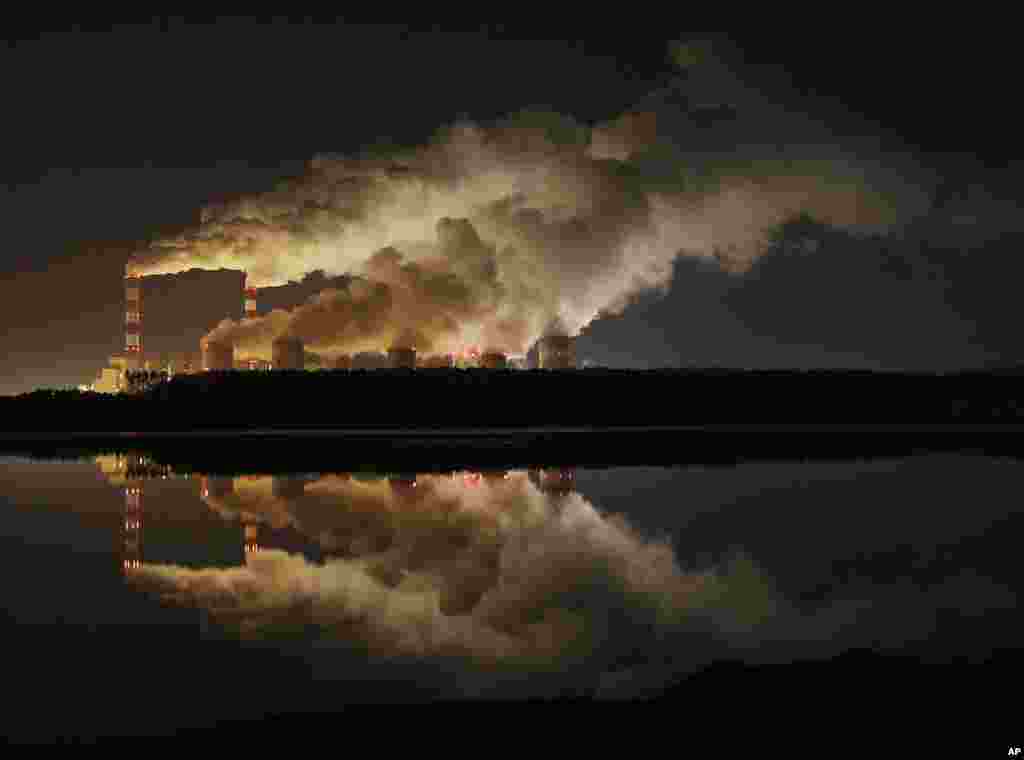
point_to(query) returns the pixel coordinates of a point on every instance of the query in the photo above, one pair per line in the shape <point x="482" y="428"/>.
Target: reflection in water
<point x="490" y="575"/>
<point x="504" y="568"/>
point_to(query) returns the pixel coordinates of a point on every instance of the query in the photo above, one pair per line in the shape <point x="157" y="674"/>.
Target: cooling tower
<point x="403" y="485"/>
<point x="132" y="314"/>
<point x="557" y="352"/>
<point x="494" y="360"/>
<point x="369" y="360"/>
<point x="437" y="361"/>
<point x="402" y="358"/>
<point x="217" y="355"/>
<point x="288" y="353"/>
<point x="559" y="481"/>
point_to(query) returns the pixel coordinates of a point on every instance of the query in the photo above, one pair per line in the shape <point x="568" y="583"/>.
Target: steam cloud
<point x="488" y="235"/>
<point x="498" y="575"/>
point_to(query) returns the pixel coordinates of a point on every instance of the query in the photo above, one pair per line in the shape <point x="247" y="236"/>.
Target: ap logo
<point x="1014" y="752"/>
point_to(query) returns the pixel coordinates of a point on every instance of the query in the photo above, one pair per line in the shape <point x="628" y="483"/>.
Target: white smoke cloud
<point x="490" y="233"/>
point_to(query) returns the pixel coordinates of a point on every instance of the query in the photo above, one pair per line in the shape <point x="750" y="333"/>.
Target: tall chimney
<point x="131" y="533"/>
<point x="132" y="313"/>
<point x="250" y="300"/>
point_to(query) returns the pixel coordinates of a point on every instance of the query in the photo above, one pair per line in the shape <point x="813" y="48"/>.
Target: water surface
<point x="198" y="597"/>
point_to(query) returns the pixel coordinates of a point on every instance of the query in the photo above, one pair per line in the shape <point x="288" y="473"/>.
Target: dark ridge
<point x="438" y="400"/>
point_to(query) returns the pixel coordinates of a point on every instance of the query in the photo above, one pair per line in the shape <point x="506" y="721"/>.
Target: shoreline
<point x="455" y="433"/>
<point x="419" y="449"/>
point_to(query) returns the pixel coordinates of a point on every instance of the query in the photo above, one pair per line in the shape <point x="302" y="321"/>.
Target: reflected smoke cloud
<point x="488" y="571"/>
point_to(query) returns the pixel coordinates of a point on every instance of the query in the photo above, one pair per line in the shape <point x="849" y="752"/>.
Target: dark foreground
<point x="486" y="399"/>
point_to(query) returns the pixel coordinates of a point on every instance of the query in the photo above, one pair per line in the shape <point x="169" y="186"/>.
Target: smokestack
<point x="132" y="313"/>
<point x="288" y="353"/>
<point x="131" y="554"/>
<point x="252" y="538"/>
<point x="557" y="352"/>
<point x="250" y="300"/>
<point x="402" y="358"/>
<point x="217" y="355"/>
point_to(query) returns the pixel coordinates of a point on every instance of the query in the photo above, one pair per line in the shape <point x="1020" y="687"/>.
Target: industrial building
<point x="135" y="370"/>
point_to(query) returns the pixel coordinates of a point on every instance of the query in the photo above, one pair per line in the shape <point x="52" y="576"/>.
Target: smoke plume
<point x="489" y="234"/>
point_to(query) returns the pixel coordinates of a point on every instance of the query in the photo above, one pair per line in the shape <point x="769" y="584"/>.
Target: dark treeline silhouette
<point x="443" y="398"/>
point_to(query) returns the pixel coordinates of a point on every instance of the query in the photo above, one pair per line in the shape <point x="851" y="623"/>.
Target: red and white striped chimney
<point x="250" y="300"/>
<point x="131" y="553"/>
<point x="250" y="309"/>
<point x="132" y="312"/>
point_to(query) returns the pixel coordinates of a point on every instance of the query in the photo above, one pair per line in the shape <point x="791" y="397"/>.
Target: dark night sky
<point x="114" y="136"/>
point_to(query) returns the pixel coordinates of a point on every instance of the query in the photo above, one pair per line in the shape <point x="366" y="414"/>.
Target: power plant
<point x="134" y="370"/>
